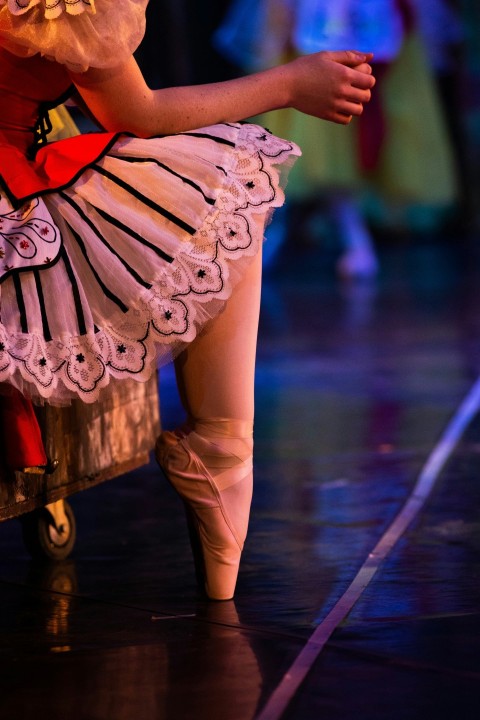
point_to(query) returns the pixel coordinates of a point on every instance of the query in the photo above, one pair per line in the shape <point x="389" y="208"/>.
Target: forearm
<point x="185" y="108"/>
<point x="332" y="86"/>
<point x="146" y="112"/>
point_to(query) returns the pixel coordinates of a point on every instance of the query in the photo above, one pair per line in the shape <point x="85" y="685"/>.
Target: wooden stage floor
<point x="356" y="384"/>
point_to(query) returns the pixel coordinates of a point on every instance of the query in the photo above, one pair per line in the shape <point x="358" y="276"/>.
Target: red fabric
<point x="372" y="125"/>
<point x="372" y="128"/>
<point x="55" y="166"/>
<point x="22" y="440"/>
<point x="26" y="84"/>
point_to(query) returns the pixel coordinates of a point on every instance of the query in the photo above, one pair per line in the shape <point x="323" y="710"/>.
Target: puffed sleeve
<point x="76" y="33"/>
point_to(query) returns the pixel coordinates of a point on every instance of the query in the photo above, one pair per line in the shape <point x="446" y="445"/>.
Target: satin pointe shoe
<point x="216" y="488"/>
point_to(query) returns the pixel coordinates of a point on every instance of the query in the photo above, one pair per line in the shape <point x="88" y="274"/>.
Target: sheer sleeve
<point x="76" y="33"/>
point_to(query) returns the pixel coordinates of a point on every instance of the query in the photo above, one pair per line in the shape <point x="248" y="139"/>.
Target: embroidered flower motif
<point x="234" y="232"/>
<point x="27" y="234"/>
<point x="125" y="354"/>
<point x="203" y="278"/>
<point x="169" y="317"/>
<point x="271" y="145"/>
<point x="254" y="180"/>
<point x="32" y="352"/>
<point x="84" y="369"/>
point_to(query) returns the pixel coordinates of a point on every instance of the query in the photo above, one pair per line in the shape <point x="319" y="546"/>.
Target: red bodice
<point x="28" y="86"/>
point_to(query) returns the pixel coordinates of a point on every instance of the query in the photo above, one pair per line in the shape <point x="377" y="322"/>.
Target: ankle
<point x="221" y="453"/>
<point x="217" y="427"/>
<point x="221" y="442"/>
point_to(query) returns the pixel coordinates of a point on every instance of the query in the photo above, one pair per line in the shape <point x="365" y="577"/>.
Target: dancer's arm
<point x="328" y="85"/>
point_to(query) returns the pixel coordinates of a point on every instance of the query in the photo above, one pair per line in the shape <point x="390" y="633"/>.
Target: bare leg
<point x="209" y="460"/>
<point x="215" y="374"/>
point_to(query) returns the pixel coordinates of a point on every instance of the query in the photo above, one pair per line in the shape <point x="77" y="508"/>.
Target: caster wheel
<point x="43" y="539"/>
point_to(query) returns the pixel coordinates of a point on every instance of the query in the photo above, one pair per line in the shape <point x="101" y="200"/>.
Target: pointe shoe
<point x="217" y="508"/>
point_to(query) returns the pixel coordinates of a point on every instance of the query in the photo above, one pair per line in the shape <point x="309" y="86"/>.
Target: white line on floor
<point x="293" y="678"/>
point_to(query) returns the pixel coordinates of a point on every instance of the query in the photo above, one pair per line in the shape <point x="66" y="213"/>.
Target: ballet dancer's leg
<point x="209" y="459"/>
<point x="216" y="372"/>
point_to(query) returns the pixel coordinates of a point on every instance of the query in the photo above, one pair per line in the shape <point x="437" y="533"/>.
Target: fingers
<point x="350" y="58"/>
<point x="358" y="95"/>
<point x="341" y="118"/>
<point x="364" y="68"/>
<point x="360" y="70"/>
<point x="351" y="108"/>
<point x="351" y="105"/>
<point x="343" y="79"/>
<point x="361" y="80"/>
<point x="344" y="112"/>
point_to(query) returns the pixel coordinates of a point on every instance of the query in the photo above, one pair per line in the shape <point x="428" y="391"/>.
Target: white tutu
<point x="139" y="253"/>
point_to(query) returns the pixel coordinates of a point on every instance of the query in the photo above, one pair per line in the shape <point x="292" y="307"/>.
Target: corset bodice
<point x="26" y="86"/>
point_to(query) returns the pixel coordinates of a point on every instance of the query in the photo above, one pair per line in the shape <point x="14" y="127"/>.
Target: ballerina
<point x="140" y="243"/>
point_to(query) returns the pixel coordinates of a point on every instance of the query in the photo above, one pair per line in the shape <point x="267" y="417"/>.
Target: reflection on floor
<point x="354" y="385"/>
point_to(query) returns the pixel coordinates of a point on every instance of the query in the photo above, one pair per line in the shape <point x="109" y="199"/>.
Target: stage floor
<point x="356" y="386"/>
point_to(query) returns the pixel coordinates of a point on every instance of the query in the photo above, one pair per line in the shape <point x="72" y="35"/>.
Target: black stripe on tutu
<point x="146" y="200"/>
<point x="105" y="289"/>
<point x="20" y="303"/>
<point x="186" y="180"/>
<point x="43" y="310"/>
<point x="82" y="327"/>
<point x="124" y="228"/>
<point x="206" y="136"/>
<point x="105" y="242"/>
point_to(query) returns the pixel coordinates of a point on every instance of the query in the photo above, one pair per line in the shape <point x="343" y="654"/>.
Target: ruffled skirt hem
<point x="147" y="247"/>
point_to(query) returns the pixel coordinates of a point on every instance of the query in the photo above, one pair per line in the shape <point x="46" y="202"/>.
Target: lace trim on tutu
<point x="76" y="33"/>
<point x="181" y="300"/>
<point x="52" y="8"/>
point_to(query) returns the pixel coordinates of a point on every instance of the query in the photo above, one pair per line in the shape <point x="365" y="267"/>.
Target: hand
<point x="331" y="85"/>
